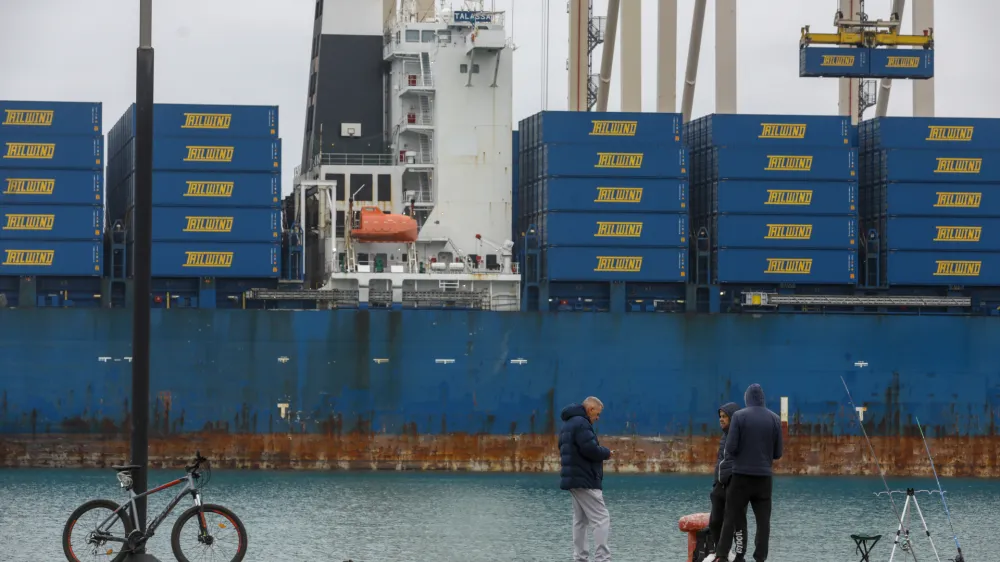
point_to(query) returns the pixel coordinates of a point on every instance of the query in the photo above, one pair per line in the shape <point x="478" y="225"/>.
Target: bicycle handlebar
<point x="198" y="459"/>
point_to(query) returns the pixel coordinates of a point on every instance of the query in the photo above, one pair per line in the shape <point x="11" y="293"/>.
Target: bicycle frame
<point x="151" y="528"/>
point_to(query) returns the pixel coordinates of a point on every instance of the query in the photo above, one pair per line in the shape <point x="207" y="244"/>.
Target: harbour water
<point x="457" y="517"/>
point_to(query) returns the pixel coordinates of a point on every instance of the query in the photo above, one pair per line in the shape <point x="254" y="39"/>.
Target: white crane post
<point x="923" y="90"/>
<point x="579" y="57"/>
<point x="666" y="56"/>
<point x="631" y="59"/>
<point x="694" y="50"/>
<point x="885" y="85"/>
<point x="608" y="55"/>
<point x="847" y="103"/>
<point x="725" y="56"/>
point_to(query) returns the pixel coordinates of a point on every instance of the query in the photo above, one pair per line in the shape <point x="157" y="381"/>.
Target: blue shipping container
<point x="787" y="197"/>
<point x="213" y="259"/>
<point x="943" y="268"/>
<point x="584" y="127"/>
<point x="784" y="231"/>
<point x="612" y="195"/>
<point x="200" y="121"/>
<point x="205" y="224"/>
<point x="51" y="258"/>
<point x="58" y="152"/>
<point x="205" y="155"/>
<point x="51" y="222"/>
<point x="935" y="132"/>
<point x="51" y="117"/>
<point x="660" y="265"/>
<point x="834" y="62"/>
<point x="613" y="158"/>
<point x="793" y="131"/>
<point x="802" y="164"/>
<point x="939" y="199"/>
<point x="826" y="267"/>
<point x="925" y="166"/>
<point x="210" y="189"/>
<point x="906" y="64"/>
<point x="615" y="230"/>
<point x="51" y="187"/>
<point x="942" y="233"/>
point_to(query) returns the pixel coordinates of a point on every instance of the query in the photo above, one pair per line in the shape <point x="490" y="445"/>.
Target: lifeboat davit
<point x="377" y="226"/>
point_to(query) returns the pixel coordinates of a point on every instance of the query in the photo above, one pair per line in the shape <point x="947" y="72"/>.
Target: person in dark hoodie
<point x="753" y="444"/>
<point x="723" y="472"/>
<point x="582" y="474"/>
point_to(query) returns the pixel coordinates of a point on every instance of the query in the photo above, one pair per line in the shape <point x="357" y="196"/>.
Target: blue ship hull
<point x="243" y="376"/>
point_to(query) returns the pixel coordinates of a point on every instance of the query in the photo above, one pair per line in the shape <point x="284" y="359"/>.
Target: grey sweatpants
<point x="589" y="509"/>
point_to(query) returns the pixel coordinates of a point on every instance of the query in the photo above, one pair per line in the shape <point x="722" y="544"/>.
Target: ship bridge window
<point x="444" y="36"/>
<point x="412" y="35"/>
<point x="340" y="224"/>
<point x="361" y="187"/>
<point x="384" y="191"/>
<point x="427" y="36"/>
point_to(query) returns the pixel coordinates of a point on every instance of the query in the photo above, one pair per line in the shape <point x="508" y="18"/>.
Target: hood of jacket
<point x="574" y="410"/>
<point x="754" y="396"/>
<point x="729" y="408"/>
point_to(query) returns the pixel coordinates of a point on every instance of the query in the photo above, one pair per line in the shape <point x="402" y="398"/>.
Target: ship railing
<point x="347" y="159"/>
<point x="416" y="119"/>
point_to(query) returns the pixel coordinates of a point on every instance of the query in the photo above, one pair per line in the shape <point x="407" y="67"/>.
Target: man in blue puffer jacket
<point x="582" y="473"/>
<point x="723" y="472"/>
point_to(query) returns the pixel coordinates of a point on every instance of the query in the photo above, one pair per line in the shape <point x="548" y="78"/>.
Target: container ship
<point x="439" y="283"/>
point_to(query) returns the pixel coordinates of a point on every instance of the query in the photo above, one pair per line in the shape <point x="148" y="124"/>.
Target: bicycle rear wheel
<point x="82" y="540"/>
<point x="226" y="534"/>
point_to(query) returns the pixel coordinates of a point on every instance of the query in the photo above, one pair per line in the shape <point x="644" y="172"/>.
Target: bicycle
<point x="100" y="539"/>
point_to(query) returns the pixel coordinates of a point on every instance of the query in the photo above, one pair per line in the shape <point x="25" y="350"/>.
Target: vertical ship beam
<point x="666" y="56"/>
<point x="725" y="56"/>
<point x="694" y="51"/>
<point x="923" y="90"/>
<point x="579" y="25"/>
<point x="631" y="59"/>
<point x="885" y="85"/>
<point x="847" y="102"/>
<point x="608" y="55"/>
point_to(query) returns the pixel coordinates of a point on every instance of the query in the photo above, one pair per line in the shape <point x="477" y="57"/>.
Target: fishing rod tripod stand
<point x="903" y="534"/>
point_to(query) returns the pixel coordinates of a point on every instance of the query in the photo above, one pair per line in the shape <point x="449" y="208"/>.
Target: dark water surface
<point x="416" y="517"/>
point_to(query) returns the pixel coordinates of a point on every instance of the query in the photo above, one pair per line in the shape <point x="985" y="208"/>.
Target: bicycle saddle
<point x="124" y="467"/>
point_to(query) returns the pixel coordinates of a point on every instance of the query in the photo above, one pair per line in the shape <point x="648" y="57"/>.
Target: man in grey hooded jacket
<point x="723" y="472"/>
<point x="753" y="444"/>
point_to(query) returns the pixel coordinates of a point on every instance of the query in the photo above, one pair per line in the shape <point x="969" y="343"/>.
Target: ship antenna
<point x="958" y="558"/>
<point x="877" y="463"/>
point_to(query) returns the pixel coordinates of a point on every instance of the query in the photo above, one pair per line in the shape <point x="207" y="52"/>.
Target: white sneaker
<point x="710" y="558"/>
<point x="732" y="556"/>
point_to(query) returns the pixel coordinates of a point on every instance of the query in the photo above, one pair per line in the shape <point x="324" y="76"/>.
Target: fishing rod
<point x="954" y="535"/>
<point x="880" y="471"/>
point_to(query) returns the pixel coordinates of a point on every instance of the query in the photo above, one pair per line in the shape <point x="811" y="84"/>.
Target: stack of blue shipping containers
<point x="51" y="189"/>
<point x="931" y="189"/>
<point x="216" y="189"/>
<point x="777" y="196"/>
<point x="607" y="193"/>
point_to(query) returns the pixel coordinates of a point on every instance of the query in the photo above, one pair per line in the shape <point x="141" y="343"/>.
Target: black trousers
<point x="718" y="497"/>
<point x="741" y="491"/>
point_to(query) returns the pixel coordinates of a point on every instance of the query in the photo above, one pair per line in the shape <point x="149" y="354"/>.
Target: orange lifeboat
<point x="377" y="226"/>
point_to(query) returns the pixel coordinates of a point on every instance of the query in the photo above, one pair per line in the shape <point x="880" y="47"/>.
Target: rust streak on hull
<point x="813" y="455"/>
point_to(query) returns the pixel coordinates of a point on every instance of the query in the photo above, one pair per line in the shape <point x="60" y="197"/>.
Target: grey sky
<point x="257" y="52"/>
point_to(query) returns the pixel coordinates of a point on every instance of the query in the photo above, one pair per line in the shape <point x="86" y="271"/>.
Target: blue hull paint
<point x="657" y="374"/>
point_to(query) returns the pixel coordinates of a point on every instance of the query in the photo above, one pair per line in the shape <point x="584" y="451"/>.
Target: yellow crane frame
<point x="864" y="33"/>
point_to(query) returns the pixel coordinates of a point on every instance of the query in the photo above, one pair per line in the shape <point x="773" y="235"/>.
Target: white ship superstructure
<point x="445" y="159"/>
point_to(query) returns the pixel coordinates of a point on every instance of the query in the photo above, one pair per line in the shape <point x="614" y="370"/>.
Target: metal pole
<point x="694" y="51"/>
<point x="141" y="254"/>
<point x="608" y="55"/>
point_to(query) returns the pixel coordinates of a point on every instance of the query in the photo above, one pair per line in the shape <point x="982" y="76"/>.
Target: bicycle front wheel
<point x="224" y="536"/>
<point x="82" y="540"/>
